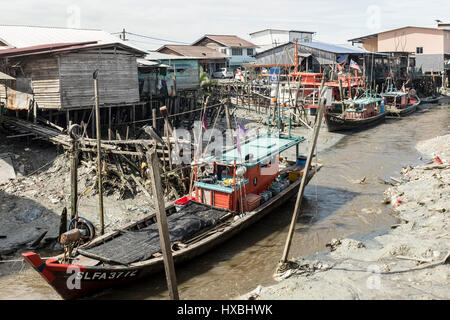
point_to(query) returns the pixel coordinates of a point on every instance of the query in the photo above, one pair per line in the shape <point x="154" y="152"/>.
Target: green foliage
<point x="205" y="81"/>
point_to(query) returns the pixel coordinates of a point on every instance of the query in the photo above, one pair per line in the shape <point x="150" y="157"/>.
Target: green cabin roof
<point x="364" y="100"/>
<point x="261" y="148"/>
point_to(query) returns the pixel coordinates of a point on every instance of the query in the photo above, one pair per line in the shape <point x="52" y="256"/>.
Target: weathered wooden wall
<point x="45" y="81"/>
<point x="117" y="79"/>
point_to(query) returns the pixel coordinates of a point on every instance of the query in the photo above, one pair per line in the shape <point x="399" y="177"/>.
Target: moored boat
<point x="241" y="188"/>
<point x="400" y="103"/>
<point x="430" y="99"/>
<point x="361" y="113"/>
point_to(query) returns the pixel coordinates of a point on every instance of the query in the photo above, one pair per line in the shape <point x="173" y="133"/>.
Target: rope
<point x="172" y="115"/>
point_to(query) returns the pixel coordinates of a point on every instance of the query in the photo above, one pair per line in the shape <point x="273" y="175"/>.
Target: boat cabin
<point x="364" y="108"/>
<point x="244" y="178"/>
<point x="396" y="99"/>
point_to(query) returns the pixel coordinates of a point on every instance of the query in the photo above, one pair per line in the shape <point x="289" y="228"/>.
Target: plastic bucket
<point x="182" y="202"/>
<point x="301" y="161"/>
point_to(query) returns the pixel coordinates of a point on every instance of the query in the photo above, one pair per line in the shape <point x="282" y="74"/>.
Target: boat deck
<point x="138" y="245"/>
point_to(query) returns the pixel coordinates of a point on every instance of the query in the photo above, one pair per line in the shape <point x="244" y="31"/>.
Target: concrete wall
<point x="408" y="39"/>
<point x="447" y="42"/>
<point x="269" y="37"/>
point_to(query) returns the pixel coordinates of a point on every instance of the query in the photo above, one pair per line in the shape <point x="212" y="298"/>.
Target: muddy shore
<point x="31" y="204"/>
<point x="410" y="261"/>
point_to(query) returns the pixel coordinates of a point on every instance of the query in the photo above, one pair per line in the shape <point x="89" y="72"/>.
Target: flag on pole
<point x="205" y="126"/>
<point x="242" y="130"/>
<point x="354" y="65"/>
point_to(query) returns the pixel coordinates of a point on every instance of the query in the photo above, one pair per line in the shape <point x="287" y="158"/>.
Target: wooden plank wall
<point x="117" y="78"/>
<point x="45" y="81"/>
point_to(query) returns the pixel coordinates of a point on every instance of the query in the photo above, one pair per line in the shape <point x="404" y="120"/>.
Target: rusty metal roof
<point x="195" y="51"/>
<point x="61" y="47"/>
<point x="228" y="41"/>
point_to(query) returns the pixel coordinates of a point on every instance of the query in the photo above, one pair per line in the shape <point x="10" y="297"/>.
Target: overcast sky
<point x="188" y="20"/>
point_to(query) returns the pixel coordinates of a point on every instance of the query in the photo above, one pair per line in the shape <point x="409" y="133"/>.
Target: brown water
<point x="335" y="206"/>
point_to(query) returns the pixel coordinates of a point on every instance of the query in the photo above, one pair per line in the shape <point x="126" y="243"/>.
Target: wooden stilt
<point x="99" y="155"/>
<point x="297" y="208"/>
<point x="163" y="228"/>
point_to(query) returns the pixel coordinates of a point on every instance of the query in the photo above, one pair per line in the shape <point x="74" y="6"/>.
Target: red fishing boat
<point x="243" y="185"/>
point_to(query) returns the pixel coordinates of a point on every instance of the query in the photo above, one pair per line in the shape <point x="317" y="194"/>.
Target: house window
<point x="224" y="51"/>
<point x="419" y="50"/>
<point x="236" y="51"/>
<point x="250" y="52"/>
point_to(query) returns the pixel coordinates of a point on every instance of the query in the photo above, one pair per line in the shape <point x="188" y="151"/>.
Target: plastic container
<point x="182" y="202"/>
<point x="293" y="176"/>
<point x="301" y="161"/>
<point x="275" y="188"/>
<point x="284" y="184"/>
<point x="265" y="196"/>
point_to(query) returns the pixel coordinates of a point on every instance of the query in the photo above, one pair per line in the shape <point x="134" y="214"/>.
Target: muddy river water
<point x="336" y="205"/>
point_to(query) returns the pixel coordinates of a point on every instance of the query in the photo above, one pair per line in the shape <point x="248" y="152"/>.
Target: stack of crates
<point x="252" y="202"/>
<point x="275" y="188"/>
<point x="284" y="183"/>
<point x="265" y="196"/>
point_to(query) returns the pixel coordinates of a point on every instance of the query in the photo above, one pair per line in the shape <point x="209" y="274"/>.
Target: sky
<point x="186" y="21"/>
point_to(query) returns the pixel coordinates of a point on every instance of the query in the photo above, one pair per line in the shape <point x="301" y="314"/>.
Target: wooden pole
<point x="341" y="93"/>
<point x="227" y="112"/>
<point x="298" y="203"/>
<point x="99" y="155"/>
<point x="74" y="183"/>
<point x="163" y="228"/>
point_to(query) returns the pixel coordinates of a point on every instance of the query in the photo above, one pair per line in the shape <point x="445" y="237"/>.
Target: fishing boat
<point x="237" y="188"/>
<point x="400" y="103"/>
<point x="360" y="113"/>
<point x="430" y="99"/>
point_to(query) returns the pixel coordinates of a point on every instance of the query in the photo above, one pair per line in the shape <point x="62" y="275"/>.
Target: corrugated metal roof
<point x="196" y="51"/>
<point x="146" y="63"/>
<point x="228" y="41"/>
<point x="62" y="47"/>
<point x="396" y="29"/>
<point x="155" y="55"/>
<point x="27" y="36"/>
<point x="278" y="30"/>
<point x="4" y="76"/>
<point x="333" y="48"/>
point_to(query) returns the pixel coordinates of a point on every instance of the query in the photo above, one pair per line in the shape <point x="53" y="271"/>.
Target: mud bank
<point x="31" y="204"/>
<point x="410" y="261"/>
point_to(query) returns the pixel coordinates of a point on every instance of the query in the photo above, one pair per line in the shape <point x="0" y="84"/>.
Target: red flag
<point x="205" y="126"/>
<point x="354" y="65"/>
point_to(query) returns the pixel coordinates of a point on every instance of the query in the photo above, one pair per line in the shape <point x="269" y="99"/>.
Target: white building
<point x="270" y="38"/>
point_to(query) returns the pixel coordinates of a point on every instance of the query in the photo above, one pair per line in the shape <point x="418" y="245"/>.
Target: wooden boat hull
<point x="73" y="281"/>
<point x="404" y="112"/>
<point x="336" y="123"/>
<point x="430" y="100"/>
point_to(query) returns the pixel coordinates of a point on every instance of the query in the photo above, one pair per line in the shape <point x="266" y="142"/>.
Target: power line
<point x="148" y="37"/>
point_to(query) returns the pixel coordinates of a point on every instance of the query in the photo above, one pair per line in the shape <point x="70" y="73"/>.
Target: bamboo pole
<point x="99" y="155"/>
<point x="297" y="208"/>
<point x="163" y="228"/>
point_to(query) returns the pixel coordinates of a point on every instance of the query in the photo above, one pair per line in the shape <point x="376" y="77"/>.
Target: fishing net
<point x="138" y="245"/>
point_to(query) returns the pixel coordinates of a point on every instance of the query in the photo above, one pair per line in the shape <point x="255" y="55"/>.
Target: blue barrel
<point x="301" y="161"/>
<point x="382" y="107"/>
